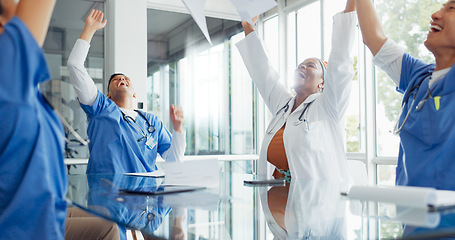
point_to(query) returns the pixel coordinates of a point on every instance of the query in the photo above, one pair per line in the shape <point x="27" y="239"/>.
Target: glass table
<point x="302" y="209"/>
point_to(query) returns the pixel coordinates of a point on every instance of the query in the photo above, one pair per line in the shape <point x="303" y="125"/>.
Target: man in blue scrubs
<point x="427" y="123"/>
<point x="122" y="139"/>
<point x="32" y="173"/>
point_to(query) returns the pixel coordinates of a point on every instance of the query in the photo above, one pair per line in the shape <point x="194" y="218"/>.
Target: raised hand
<point x="176" y="114"/>
<point x="247" y="27"/>
<point x="93" y="23"/>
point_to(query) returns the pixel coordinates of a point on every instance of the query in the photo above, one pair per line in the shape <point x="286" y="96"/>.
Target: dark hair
<point x="110" y="79"/>
<point x="1" y="8"/>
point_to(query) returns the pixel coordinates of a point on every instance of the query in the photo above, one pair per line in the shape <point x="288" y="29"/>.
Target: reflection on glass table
<point x="302" y="209"/>
<point x="305" y="210"/>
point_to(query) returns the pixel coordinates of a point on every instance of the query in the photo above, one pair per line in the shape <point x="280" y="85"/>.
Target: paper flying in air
<point x="249" y="9"/>
<point x="196" y="9"/>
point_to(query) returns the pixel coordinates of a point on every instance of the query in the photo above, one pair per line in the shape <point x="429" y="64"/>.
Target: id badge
<point x="151" y="142"/>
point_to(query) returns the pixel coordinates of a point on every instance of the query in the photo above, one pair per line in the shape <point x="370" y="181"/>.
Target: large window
<point x="209" y="82"/>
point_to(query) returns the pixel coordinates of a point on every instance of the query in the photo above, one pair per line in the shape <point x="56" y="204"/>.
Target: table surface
<point x="303" y="209"/>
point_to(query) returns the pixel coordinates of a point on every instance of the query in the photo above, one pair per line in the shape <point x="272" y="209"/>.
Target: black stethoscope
<point x="150" y="129"/>
<point x="283" y="110"/>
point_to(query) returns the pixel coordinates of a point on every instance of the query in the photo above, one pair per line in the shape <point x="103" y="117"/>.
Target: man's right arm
<point x="82" y="82"/>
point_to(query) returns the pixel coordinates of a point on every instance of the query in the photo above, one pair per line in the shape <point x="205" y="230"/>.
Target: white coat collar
<point x="309" y="99"/>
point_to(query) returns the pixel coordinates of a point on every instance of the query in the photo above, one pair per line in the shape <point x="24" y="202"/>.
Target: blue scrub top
<point x="427" y="148"/>
<point x="33" y="178"/>
<point x="114" y="146"/>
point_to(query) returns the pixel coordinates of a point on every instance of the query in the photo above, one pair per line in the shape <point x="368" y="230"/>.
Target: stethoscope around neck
<point x="414" y="90"/>
<point x="144" y="134"/>
<point x="283" y="111"/>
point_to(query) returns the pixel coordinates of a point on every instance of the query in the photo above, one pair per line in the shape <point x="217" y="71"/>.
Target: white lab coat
<point x="314" y="150"/>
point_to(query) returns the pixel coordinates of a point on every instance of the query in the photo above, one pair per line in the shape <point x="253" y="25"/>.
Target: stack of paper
<point x="417" y="197"/>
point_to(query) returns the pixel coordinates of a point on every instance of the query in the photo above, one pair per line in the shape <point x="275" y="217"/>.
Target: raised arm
<point x="82" y="82"/>
<point x="340" y="71"/>
<point x="36" y="14"/>
<point x="261" y="71"/>
<point x="372" y="31"/>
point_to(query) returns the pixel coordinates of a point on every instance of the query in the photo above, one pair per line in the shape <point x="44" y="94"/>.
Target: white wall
<point x="126" y="43"/>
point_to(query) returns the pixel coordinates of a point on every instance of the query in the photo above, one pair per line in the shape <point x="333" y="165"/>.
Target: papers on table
<point x="202" y="173"/>
<point x="416" y="197"/>
<point x="157" y="173"/>
<point x="247" y="9"/>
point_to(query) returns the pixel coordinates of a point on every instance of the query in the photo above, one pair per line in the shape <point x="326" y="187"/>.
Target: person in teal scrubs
<point x="426" y="125"/>
<point x="33" y="179"/>
<point x="122" y="138"/>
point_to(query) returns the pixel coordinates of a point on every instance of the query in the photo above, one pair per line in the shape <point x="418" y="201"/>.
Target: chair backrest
<point x="358" y="172"/>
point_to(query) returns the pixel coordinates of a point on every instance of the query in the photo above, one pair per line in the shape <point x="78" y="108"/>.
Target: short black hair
<point x="112" y="77"/>
<point x="1" y="8"/>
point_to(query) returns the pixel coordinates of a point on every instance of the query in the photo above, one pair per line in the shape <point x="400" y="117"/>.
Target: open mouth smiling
<point x="435" y="28"/>
<point x="122" y="83"/>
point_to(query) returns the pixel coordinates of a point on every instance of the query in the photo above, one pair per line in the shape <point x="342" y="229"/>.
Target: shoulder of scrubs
<point x="22" y="63"/>
<point x="262" y="73"/>
<point x="177" y="150"/>
<point x="412" y="71"/>
<point x="102" y="103"/>
<point x="82" y="82"/>
<point x="340" y="69"/>
<point x="389" y="58"/>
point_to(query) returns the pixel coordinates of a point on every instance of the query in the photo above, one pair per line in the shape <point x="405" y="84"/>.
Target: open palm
<point x="95" y="20"/>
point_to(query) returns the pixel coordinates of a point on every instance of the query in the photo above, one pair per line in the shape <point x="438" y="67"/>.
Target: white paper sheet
<point x="157" y="173"/>
<point x="249" y="9"/>
<point x="417" y="197"/>
<point x="196" y="9"/>
<point x="202" y="173"/>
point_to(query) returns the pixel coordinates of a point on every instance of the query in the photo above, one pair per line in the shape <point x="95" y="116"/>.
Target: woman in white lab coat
<point x="305" y="137"/>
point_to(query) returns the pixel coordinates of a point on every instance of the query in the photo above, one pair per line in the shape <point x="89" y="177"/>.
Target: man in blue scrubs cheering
<point x="32" y="173"/>
<point x="122" y="139"/>
<point x="427" y="124"/>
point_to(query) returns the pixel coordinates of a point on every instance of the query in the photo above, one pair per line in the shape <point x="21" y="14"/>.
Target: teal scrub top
<point x="33" y="179"/>
<point x="114" y="145"/>
<point x="426" y="154"/>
